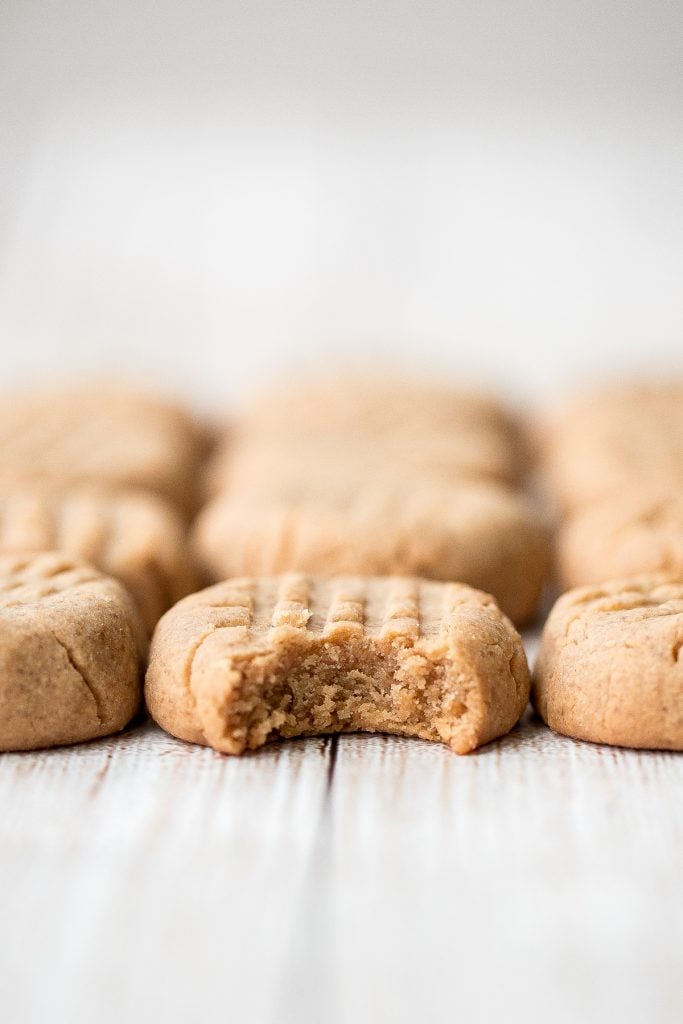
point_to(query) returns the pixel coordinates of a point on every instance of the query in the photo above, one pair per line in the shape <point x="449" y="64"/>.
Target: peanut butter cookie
<point x="614" y="440"/>
<point x="256" y="659"/>
<point x="610" y="667"/>
<point x="71" y="647"/>
<point x="109" y="437"/>
<point x="132" y="535"/>
<point x="637" y="532"/>
<point x="477" y="533"/>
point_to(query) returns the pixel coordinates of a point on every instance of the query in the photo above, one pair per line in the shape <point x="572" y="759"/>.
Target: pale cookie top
<point x="258" y="625"/>
<point x="31" y="581"/>
<point x="372" y="404"/>
<point x="635" y="532"/>
<point x="653" y="407"/>
<point x="311" y="435"/>
<point x="110" y="437"/>
<point x="617" y="606"/>
<point x="611" y="440"/>
<point x="26" y="581"/>
<point x="320" y="464"/>
<point x="263" y="610"/>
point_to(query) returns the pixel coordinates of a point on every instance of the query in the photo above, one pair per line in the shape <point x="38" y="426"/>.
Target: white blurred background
<point x="197" y="195"/>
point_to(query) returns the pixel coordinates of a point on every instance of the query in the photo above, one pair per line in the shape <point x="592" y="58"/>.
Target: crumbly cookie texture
<point x="71" y="649"/>
<point x="105" y="437"/>
<point x="610" y="667"/>
<point x="610" y="441"/>
<point x="135" y="536"/>
<point x="255" y="659"/>
<point x="634" y="533"/>
<point x="480" y="534"/>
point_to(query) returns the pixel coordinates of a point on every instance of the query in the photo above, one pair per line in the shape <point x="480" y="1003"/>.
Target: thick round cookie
<point x="253" y="660"/>
<point x="132" y="535"/>
<point x="635" y="533"/>
<point x="610" y="667"/>
<point x="109" y="437"/>
<point x="71" y="647"/>
<point x="480" y="534"/>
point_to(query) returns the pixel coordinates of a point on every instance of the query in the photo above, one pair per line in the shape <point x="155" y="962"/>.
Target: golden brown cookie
<point x="611" y="441"/>
<point x="113" y="438"/>
<point x="253" y="660"/>
<point x="610" y="667"/>
<point x="71" y="647"/>
<point x="634" y="533"/>
<point x="132" y="535"/>
<point x="480" y="534"/>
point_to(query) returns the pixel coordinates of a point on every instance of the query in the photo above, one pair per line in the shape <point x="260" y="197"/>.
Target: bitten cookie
<point x="610" y="667"/>
<point x="113" y="438"/>
<point x="480" y="534"/>
<point x="71" y="646"/>
<point x="637" y="532"/>
<point x="253" y="660"/>
<point x="136" y="537"/>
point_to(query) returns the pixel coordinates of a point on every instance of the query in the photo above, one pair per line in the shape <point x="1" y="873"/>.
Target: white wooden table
<point x="351" y="879"/>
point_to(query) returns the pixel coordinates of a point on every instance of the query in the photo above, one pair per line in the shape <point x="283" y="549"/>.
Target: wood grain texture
<point x="360" y="878"/>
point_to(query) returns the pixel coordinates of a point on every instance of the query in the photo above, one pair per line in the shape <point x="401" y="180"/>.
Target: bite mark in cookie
<point x="256" y="659"/>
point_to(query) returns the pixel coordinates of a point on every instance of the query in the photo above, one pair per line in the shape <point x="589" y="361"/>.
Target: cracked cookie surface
<point x="71" y="646"/>
<point x="610" y="666"/>
<point x="256" y="659"/>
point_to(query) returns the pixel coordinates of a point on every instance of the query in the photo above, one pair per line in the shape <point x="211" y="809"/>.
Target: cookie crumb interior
<point x="358" y="686"/>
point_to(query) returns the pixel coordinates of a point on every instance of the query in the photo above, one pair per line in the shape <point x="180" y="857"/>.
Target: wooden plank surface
<point x="363" y="878"/>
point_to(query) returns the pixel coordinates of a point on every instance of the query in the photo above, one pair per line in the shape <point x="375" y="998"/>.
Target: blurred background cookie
<point x="94" y="435"/>
<point x="377" y="476"/>
<point x="133" y="535"/>
<point x="478" y="533"/>
<point x="609" y="441"/>
<point x="638" y="531"/>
